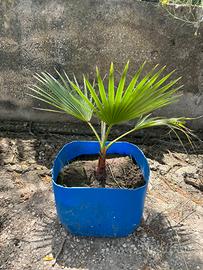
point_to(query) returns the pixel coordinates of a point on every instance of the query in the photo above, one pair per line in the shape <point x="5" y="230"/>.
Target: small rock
<point x="11" y="168"/>
<point x="195" y="176"/>
<point x="194" y="181"/>
<point x="186" y="169"/>
<point x="31" y="161"/>
<point x="154" y="165"/>
<point x="17" y="168"/>
<point x="164" y="169"/>
<point x="150" y="186"/>
<point x="24" y="196"/>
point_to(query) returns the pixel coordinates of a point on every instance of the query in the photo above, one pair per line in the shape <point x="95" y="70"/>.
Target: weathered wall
<point x="76" y="35"/>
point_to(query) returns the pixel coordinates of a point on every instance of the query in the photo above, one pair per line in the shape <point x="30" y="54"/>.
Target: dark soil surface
<point x="31" y="237"/>
<point x="121" y="172"/>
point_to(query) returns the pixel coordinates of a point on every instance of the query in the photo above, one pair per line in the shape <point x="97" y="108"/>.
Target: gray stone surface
<point x="170" y="237"/>
<point x="76" y="36"/>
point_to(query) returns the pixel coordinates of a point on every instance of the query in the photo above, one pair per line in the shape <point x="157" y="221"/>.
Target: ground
<point x="170" y="236"/>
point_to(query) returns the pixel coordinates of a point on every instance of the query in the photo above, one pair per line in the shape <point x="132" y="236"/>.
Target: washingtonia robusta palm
<point x="114" y="105"/>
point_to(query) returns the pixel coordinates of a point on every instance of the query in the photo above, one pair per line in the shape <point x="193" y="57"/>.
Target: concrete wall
<point x="76" y="35"/>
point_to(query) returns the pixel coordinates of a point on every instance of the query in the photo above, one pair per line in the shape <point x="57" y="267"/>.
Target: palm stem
<point x="101" y="167"/>
<point x="103" y="131"/>
<point x="95" y="132"/>
<point x="120" y="137"/>
<point x="105" y="138"/>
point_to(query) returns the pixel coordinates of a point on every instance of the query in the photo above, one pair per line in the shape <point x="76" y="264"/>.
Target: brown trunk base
<point x="101" y="171"/>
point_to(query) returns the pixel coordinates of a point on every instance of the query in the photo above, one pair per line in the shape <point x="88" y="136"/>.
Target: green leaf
<point x="121" y="85"/>
<point x="93" y="93"/>
<point x="111" y="86"/>
<point x="102" y="91"/>
<point x="60" y="96"/>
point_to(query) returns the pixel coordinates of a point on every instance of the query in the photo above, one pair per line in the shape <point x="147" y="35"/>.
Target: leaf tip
<point x="111" y="66"/>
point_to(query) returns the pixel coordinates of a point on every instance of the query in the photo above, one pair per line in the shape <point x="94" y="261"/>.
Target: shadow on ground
<point x="155" y="245"/>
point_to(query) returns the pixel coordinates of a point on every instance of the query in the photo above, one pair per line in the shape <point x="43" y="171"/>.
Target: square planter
<point x="99" y="212"/>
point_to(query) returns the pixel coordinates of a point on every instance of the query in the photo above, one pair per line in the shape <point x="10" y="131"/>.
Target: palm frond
<point x="62" y="95"/>
<point x="172" y="123"/>
<point x="139" y="97"/>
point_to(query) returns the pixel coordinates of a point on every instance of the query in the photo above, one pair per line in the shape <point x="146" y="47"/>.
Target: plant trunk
<point x="101" y="168"/>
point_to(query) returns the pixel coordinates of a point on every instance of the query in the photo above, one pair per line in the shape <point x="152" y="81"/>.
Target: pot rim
<point x="146" y="181"/>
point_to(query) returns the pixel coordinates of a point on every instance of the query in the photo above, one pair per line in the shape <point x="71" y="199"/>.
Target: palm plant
<point x="114" y="105"/>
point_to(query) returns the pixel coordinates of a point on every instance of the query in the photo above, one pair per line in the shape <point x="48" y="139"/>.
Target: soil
<point x="31" y="237"/>
<point x="121" y="172"/>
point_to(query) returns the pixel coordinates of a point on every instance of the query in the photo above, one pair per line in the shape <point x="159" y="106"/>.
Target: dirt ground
<point x="170" y="237"/>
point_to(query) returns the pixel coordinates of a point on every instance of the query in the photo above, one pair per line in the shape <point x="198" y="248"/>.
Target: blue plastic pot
<point x="99" y="212"/>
